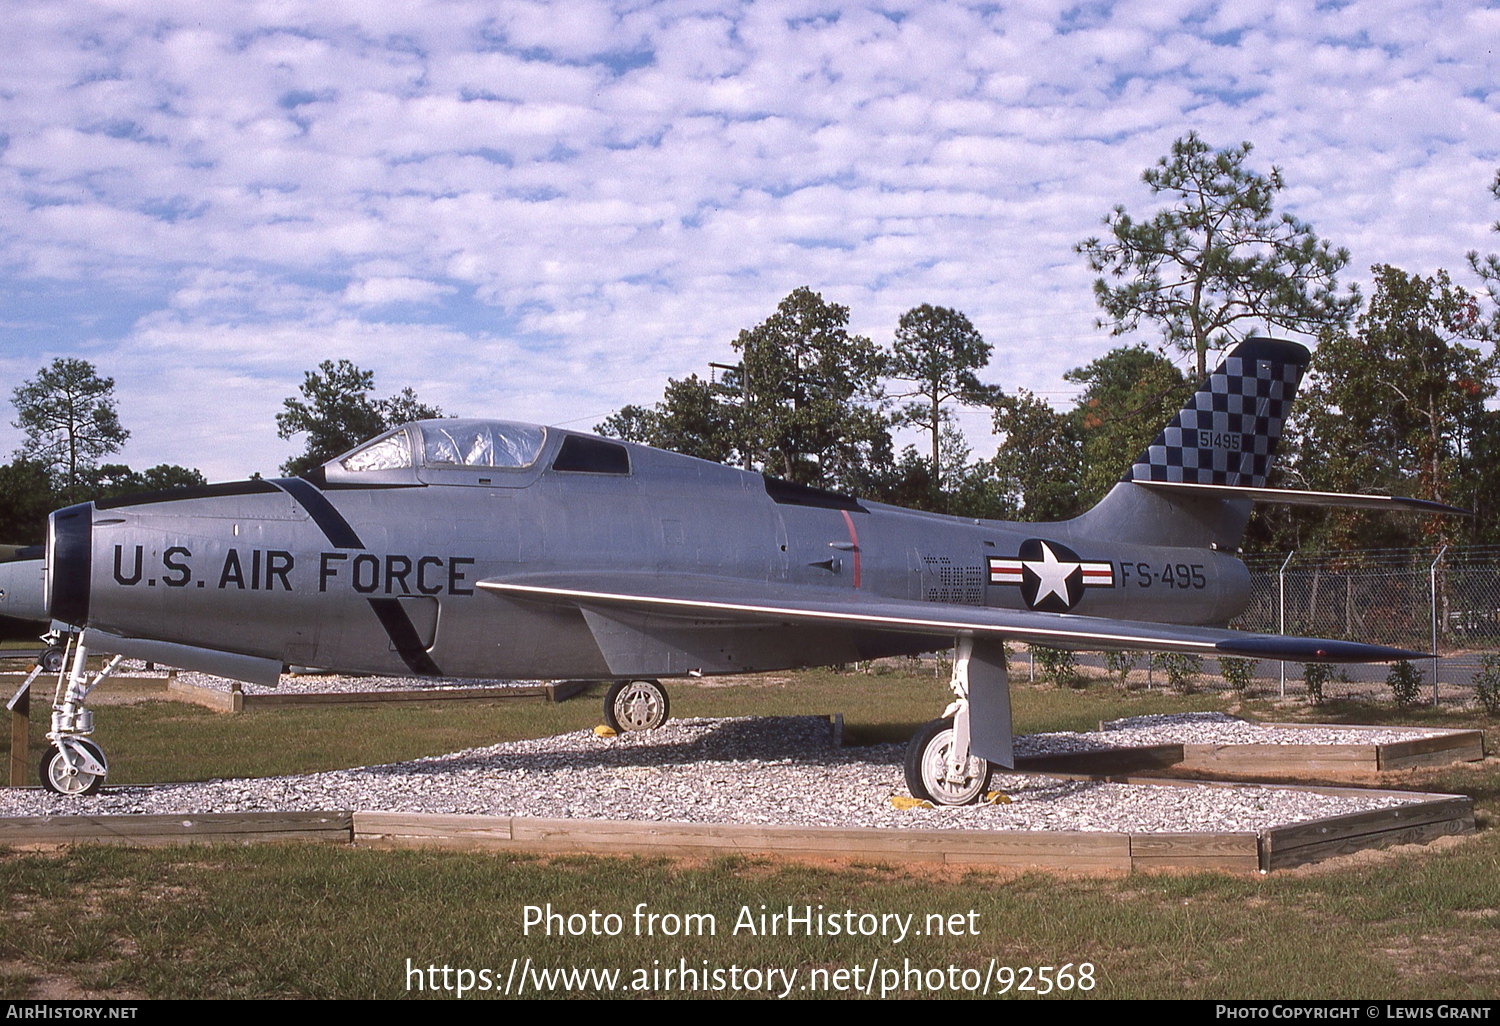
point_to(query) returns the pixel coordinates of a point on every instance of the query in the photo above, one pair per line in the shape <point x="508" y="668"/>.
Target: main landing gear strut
<point x="942" y="764"/>
<point x="73" y="764"/>
<point x="636" y="705"/>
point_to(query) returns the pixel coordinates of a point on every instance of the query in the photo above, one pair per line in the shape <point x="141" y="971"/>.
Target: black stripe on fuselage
<point x="398" y="626"/>
<point x="404" y="636"/>
<point x="332" y="523"/>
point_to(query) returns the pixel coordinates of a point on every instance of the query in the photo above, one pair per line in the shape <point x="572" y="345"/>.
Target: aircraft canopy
<point x="452" y="442"/>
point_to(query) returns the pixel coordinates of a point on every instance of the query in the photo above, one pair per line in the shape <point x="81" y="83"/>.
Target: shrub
<point x="1315" y="675"/>
<point x="1405" y="680"/>
<point x="1181" y="670"/>
<point x="1120" y="664"/>
<point x="1058" y="667"/>
<point x="1237" y="673"/>
<point x="1487" y="683"/>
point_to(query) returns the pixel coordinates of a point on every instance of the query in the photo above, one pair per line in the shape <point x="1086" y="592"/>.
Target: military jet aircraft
<point x="476" y="548"/>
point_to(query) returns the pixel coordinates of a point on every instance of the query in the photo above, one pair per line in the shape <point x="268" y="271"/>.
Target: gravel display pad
<point x="781" y="771"/>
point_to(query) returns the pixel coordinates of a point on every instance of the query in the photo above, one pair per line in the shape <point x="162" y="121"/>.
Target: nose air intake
<point x="70" y="545"/>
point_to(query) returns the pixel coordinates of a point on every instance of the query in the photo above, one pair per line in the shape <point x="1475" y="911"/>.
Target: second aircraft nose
<point x="23" y="589"/>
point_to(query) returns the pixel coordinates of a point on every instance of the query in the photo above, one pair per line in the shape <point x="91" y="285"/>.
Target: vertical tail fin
<point x="1228" y="432"/>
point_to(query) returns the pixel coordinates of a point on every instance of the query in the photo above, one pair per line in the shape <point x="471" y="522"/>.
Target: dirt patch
<point x="1436" y="954"/>
<point x="41" y="986"/>
<point x="1378" y="856"/>
<point x="130" y="697"/>
<point x="750" y="681"/>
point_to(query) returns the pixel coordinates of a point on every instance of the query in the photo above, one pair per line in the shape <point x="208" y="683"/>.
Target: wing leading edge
<point x="709" y="602"/>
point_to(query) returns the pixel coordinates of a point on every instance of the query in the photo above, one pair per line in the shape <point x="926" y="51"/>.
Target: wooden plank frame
<point x="1276" y="848"/>
<point x="1440" y="747"/>
<point x="1279" y="847"/>
<point x="1416" y="823"/>
<point x="186" y="828"/>
<point x="1108" y="760"/>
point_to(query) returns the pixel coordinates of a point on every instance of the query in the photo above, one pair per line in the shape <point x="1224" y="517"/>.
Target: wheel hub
<point x="638" y="707"/>
<point x="80" y="770"/>
<point x="946" y="783"/>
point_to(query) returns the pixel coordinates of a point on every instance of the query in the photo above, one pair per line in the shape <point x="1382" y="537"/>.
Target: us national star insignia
<point x="1050" y="575"/>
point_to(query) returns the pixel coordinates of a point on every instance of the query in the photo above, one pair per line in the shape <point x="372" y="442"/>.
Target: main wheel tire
<point x="57" y="778"/>
<point x="927" y="771"/>
<point x="52" y="660"/>
<point x="636" y="705"/>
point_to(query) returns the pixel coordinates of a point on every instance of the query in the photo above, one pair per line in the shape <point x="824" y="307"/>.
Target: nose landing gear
<point x="72" y="764"/>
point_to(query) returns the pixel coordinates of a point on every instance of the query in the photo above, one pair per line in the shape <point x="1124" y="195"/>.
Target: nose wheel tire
<point x="58" y="778"/>
<point x="929" y="774"/>
<point x="636" y="705"/>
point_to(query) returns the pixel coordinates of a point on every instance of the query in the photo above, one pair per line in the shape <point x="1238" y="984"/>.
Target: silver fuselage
<point x="380" y="574"/>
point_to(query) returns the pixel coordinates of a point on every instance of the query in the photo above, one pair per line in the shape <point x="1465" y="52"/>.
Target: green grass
<point x="304" y="921"/>
<point x="322" y="921"/>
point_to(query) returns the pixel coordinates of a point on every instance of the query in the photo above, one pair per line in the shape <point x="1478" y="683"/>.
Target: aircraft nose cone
<point x="23" y="589"/>
<point x="70" y="544"/>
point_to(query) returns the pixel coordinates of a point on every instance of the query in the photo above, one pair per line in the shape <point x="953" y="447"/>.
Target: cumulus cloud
<point x="543" y="210"/>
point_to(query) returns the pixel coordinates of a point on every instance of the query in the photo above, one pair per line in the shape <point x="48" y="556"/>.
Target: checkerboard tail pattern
<point x="1227" y="433"/>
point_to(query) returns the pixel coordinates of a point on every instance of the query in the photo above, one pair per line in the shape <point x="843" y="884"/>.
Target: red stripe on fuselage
<point x="854" y="540"/>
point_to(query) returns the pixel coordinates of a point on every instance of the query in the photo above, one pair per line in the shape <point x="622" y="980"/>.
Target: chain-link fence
<point x="1444" y="600"/>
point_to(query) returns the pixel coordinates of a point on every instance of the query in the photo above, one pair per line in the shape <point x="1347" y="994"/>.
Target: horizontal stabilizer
<point x="711" y="602"/>
<point x="1309" y="650"/>
<point x="1290" y="497"/>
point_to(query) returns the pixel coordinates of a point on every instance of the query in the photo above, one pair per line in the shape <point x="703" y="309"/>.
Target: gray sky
<point x="541" y="211"/>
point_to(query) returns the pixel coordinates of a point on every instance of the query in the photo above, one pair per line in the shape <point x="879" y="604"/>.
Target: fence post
<point x="1432" y="575"/>
<point x="20" y="726"/>
<point x="1281" y="602"/>
<point x="20" y="734"/>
